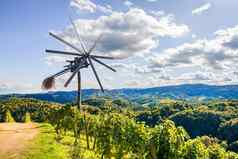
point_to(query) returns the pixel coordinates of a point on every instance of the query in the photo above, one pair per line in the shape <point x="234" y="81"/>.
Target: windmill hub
<point x="77" y="63"/>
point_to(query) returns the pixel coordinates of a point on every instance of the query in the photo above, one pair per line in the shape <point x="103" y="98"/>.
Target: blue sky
<point x="159" y="42"/>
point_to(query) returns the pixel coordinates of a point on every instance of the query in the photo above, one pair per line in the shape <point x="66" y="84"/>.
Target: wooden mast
<point x="79" y="92"/>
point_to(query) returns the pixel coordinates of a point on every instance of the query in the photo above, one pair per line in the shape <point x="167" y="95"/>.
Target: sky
<point x="155" y="42"/>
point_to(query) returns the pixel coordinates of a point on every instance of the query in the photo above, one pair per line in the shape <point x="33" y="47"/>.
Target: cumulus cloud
<point x="232" y="43"/>
<point x="89" y="6"/>
<point x="127" y="34"/>
<point x="84" y="5"/>
<point x="105" y="9"/>
<point x="201" y="9"/>
<point x="205" y="77"/>
<point x="163" y="78"/>
<point x="197" y="76"/>
<point x="229" y="37"/>
<point x="123" y="65"/>
<point x="144" y="69"/>
<point x="136" y="68"/>
<point x="157" y="13"/>
<point x="206" y="60"/>
<point x="218" y="53"/>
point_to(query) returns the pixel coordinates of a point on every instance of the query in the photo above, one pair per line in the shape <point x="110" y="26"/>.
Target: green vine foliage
<point x="27" y="118"/>
<point x="8" y="117"/>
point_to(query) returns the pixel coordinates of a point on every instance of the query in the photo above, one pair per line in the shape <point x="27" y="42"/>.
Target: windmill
<point x="82" y="59"/>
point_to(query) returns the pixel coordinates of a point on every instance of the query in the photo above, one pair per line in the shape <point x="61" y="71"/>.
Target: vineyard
<point x="107" y="128"/>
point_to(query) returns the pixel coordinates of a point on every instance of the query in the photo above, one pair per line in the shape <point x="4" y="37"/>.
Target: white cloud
<point x="196" y="76"/>
<point x="84" y="5"/>
<point x="54" y="59"/>
<point x="127" y="34"/>
<point x="217" y="57"/>
<point x="147" y="70"/>
<point x="158" y="13"/>
<point x="89" y="6"/>
<point x="17" y="87"/>
<point x="128" y="3"/>
<point x="214" y="53"/>
<point x="105" y="9"/>
<point x="229" y="37"/>
<point x="205" y="77"/>
<point x="201" y="9"/>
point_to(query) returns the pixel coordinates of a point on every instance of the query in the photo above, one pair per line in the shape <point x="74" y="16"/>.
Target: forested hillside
<point x="115" y="128"/>
<point x="195" y="92"/>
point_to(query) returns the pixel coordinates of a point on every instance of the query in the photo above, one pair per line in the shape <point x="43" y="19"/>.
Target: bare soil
<point x="14" y="137"/>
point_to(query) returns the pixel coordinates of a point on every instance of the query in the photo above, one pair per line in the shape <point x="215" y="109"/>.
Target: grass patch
<point x="44" y="146"/>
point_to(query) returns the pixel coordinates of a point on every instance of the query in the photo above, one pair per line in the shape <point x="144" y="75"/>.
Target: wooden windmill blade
<point x="49" y="82"/>
<point x="103" y="57"/>
<point x="61" y="72"/>
<point x="62" y="52"/>
<point x="95" y="73"/>
<point x="100" y="62"/>
<point x="78" y="35"/>
<point x="65" y="42"/>
<point x="95" y="44"/>
<point x="72" y="76"/>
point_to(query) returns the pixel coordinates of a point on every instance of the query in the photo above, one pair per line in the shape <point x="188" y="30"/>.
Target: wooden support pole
<point x="79" y="92"/>
<point x="76" y="133"/>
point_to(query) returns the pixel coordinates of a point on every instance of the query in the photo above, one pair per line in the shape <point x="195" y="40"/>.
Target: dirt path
<point x="13" y="137"/>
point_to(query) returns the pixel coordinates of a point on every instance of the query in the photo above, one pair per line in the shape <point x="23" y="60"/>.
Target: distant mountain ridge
<point x="185" y="91"/>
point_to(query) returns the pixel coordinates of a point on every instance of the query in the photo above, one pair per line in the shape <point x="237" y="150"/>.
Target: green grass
<point x="44" y="146"/>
